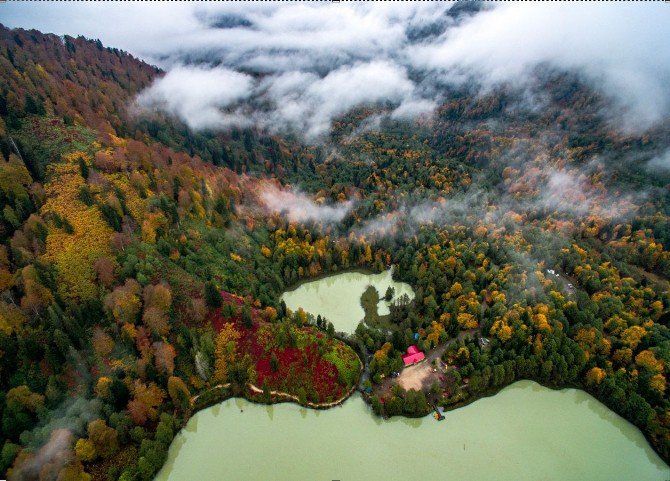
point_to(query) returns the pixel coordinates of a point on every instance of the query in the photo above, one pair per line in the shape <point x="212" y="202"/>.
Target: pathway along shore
<point x="257" y="390"/>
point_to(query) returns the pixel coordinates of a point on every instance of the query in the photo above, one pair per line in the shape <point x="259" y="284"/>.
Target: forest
<point x="141" y="264"/>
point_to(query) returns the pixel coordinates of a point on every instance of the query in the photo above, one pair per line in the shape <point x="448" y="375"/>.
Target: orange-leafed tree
<point x="225" y="351"/>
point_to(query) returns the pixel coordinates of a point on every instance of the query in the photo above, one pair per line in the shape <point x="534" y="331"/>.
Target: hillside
<point x="108" y="242"/>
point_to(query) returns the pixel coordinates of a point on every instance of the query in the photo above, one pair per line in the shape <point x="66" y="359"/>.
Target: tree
<point x="198" y="310"/>
<point x="102" y="342"/>
<point x="158" y="296"/>
<point x="124" y="302"/>
<point x="242" y="372"/>
<point x="267" y="397"/>
<point x="164" y="357"/>
<point x="213" y="296"/>
<point x="639" y="411"/>
<point x="11" y="317"/>
<point x="657" y="383"/>
<point x="8" y="454"/>
<point x="648" y="360"/>
<point x="36" y="296"/>
<point x="225" y="351"/>
<point x="104" y="268"/>
<point x="156" y="320"/>
<point x="178" y="392"/>
<point x="85" y="450"/>
<point x="103" y="387"/>
<point x="466" y="321"/>
<point x="146" y="398"/>
<point x="274" y="362"/>
<point x="632" y="336"/>
<point x="83" y="167"/>
<point x="377" y="406"/>
<point x="393" y="406"/>
<point x="246" y="317"/>
<point x="103" y="437"/>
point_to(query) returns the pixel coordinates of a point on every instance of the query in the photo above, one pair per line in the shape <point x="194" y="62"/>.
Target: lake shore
<point x="502" y="428"/>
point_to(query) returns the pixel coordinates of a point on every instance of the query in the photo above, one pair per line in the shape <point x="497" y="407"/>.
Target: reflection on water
<point x="412" y="422"/>
<point x="524" y="433"/>
<point x="338" y="297"/>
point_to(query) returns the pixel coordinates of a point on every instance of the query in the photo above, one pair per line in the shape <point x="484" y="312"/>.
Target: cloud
<point x="313" y="61"/>
<point x="568" y="196"/>
<point x="466" y="209"/>
<point x="299" y="207"/>
<point x="208" y="98"/>
<point x="565" y="192"/>
<point x="57" y="452"/>
<point x="412" y="108"/>
<point x="660" y="163"/>
<point x="616" y="46"/>
<point x="199" y="95"/>
<point x="384" y="225"/>
<point x="309" y="104"/>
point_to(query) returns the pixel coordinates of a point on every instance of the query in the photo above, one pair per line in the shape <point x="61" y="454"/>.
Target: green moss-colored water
<point x="526" y="432"/>
<point x="338" y="297"/>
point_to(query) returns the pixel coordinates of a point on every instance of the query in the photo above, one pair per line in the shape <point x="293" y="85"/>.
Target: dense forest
<point x="141" y="263"/>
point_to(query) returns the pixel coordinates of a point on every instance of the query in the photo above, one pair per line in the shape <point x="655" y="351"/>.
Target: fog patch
<point x="400" y="55"/>
<point x="614" y="47"/>
<point x="299" y="207"/>
<point x="199" y="95"/>
<point x="660" y="163"/>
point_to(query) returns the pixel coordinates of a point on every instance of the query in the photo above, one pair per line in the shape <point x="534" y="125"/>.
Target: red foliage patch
<point x="296" y="367"/>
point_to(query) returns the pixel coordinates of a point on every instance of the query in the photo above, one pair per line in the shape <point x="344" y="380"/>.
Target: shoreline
<point x="488" y="394"/>
<point x="287" y="397"/>
<point x="279" y="397"/>
<point x="322" y="276"/>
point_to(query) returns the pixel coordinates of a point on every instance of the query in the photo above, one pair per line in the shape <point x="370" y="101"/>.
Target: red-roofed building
<point x="413" y="356"/>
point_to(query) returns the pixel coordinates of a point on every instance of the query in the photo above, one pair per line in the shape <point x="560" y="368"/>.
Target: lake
<point x="338" y="297"/>
<point x="525" y="432"/>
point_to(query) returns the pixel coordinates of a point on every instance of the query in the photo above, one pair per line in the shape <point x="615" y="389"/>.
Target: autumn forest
<point x="142" y="261"/>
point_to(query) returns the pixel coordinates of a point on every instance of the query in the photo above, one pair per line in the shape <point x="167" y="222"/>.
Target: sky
<point x="297" y="66"/>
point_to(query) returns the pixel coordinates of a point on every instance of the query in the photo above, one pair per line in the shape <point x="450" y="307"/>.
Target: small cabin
<point x="413" y="356"/>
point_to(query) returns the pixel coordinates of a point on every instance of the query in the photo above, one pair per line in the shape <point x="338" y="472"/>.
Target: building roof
<point x="412" y="349"/>
<point x="409" y="359"/>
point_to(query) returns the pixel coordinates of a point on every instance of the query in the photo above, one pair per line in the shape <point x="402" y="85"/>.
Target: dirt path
<point x="218" y="386"/>
<point x="421" y="376"/>
<point x="286" y="395"/>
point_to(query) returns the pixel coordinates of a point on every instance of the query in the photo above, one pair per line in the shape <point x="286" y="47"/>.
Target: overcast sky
<point x="320" y="59"/>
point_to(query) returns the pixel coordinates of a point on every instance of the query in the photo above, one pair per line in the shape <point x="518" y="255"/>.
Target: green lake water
<point x="525" y="432"/>
<point x="338" y="297"/>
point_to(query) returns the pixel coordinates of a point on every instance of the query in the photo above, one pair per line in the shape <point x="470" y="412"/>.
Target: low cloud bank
<point x="616" y="46"/>
<point x="568" y="195"/>
<point x="299" y="66"/>
<point x="299" y="207"/>
<point x="199" y="95"/>
<point x="660" y="163"/>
